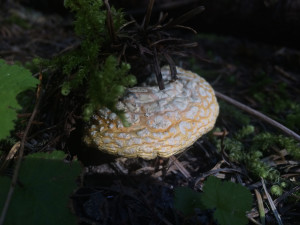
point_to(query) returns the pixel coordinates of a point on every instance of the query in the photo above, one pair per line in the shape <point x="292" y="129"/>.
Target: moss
<point x="231" y="112"/>
<point x="93" y="67"/>
<point x="293" y="117"/>
<point x="245" y="147"/>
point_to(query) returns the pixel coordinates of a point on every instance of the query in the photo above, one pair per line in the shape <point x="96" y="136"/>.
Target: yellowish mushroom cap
<point x="163" y="122"/>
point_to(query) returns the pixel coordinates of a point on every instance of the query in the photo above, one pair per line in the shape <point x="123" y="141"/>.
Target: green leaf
<point x="42" y="198"/>
<point x="230" y="201"/>
<point x="13" y="80"/>
<point x="186" y="200"/>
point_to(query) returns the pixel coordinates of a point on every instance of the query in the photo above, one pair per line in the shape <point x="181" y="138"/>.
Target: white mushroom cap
<point x="163" y="122"/>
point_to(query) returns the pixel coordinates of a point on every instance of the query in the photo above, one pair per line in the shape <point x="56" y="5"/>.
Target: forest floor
<point x="135" y="191"/>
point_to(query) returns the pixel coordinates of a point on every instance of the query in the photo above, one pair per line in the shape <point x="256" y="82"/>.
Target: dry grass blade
<point x="164" y="40"/>
<point x="10" y="156"/>
<point x="161" y="19"/>
<point x="180" y="167"/>
<point x="186" y="28"/>
<point x="185" y="17"/>
<point x="261" y="208"/>
<point x="273" y="207"/>
<point x="148" y="14"/>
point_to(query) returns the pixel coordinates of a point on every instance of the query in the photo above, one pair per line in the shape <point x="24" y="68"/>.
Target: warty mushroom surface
<point x="163" y="122"/>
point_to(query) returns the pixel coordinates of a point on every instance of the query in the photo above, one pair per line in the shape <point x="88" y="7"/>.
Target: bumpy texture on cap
<point x="163" y="122"/>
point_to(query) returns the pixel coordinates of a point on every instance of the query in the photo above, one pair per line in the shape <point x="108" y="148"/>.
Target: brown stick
<point x="259" y="115"/>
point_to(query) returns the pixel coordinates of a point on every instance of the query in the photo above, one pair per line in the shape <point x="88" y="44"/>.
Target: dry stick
<point x="259" y="115"/>
<point x="21" y="153"/>
<point x="273" y="207"/>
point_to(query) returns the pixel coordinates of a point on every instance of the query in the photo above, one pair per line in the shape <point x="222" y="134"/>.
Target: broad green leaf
<point x="13" y="80"/>
<point x="230" y="201"/>
<point x="42" y="198"/>
<point x="186" y="200"/>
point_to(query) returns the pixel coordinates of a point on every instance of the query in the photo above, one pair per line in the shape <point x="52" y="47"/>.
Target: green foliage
<point x="248" y="151"/>
<point x="232" y="112"/>
<point x="187" y="200"/>
<point x="230" y="200"/>
<point x="250" y="157"/>
<point x="276" y="103"/>
<point x="265" y="141"/>
<point x="244" y="132"/>
<point x="42" y="197"/>
<point x="293" y="116"/>
<point x="236" y="149"/>
<point x="106" y="86"/>
<point x="230" y="209"/>
<point x="92" y="68"/>
<point x="13" y="80"/>
<point x="15" y="19"/>
<point x="276" y="190"/>
<point x="258" y="168"/>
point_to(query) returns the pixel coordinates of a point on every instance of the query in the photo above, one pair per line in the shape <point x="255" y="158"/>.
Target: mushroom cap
<point x="163" y="122"/>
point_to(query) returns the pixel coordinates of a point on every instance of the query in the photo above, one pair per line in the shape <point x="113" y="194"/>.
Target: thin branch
<point x="273" y="207"/>
<point x="20" y="157"/>
<point x="259" y="115"/>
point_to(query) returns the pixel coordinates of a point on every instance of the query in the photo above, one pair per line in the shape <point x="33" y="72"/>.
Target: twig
<point x="286" y="194"/>
<point x="21" y="153"/>
<point x="284" y="73"/>
<point x="273" y="207"/>
<point x="259" y="115"/>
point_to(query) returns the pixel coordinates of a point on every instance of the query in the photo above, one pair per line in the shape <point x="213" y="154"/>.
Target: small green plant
<point x="229" y="208"/>
<point x="13" y="80"/>
<point x="42" y="194"/>
<point x="264" y="141"/>
<point x="276" y="103"/>
<point x="93" y="67"/>
<point x="230" y="111"/>
<point x="250" y="152"/>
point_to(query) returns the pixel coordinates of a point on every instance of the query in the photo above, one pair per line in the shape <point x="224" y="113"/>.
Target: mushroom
<point x="163" y="122"/>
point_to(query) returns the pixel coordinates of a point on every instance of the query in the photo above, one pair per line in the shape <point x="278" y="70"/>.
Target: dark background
<point x="270" y="21"/>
